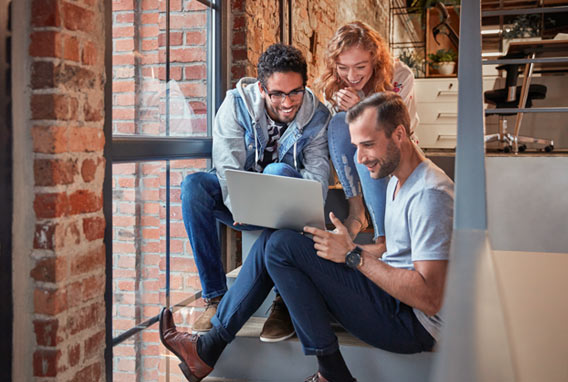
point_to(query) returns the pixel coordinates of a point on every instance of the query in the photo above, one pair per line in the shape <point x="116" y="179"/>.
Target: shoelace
<point x="210" y="303"/>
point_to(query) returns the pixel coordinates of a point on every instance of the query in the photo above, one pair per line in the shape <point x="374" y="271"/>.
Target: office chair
<point x="509" y="97"/>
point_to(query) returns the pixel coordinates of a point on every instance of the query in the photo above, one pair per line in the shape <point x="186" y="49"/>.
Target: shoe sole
<point x="279" y="339"/>
<point x="183" y="366"/>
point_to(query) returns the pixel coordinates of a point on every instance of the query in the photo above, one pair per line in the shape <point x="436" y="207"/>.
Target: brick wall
<point x="256" y="25"/>
<point x="67" y="53"/>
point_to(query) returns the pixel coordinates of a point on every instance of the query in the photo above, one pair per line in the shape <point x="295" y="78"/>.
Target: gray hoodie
<point x="240" y="135"/>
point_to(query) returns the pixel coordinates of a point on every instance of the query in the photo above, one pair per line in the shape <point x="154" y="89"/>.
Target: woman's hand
<point x="346" y="98"/>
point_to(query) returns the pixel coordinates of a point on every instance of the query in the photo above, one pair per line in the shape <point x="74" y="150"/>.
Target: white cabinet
<point x="437" y="108"/>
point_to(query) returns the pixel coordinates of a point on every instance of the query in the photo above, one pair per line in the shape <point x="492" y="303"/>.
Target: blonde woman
<point x="359" y="64"/>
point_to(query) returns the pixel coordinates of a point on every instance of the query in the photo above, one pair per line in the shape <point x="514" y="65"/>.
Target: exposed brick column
<point x="67" y="55"/>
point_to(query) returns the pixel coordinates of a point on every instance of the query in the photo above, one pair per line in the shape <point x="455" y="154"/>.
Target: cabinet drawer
<point x="439" y="113"/>
<point x="437" y="136"/>
<point x="434" y="90"/>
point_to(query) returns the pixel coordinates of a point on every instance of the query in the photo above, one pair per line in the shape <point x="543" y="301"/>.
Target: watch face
<point x="353" y="259"/>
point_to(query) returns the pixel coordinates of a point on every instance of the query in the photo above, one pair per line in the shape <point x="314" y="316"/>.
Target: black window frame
<point x="6" y="189"/>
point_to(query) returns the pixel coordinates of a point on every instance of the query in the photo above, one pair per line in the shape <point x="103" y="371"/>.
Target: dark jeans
<point x="314" y="288"/>
<point x="202" y="205"/>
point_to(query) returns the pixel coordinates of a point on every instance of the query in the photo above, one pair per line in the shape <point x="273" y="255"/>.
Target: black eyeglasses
<point x="279" y="97"/>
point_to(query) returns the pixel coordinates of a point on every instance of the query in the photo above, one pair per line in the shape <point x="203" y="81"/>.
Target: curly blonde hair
<point x="356" y="33"/>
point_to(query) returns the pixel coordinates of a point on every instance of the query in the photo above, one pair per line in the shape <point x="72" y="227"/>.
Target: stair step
<point x="249" y="359"/>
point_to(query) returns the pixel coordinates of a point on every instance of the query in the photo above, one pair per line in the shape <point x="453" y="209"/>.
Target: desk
<point x="544" y="55"/>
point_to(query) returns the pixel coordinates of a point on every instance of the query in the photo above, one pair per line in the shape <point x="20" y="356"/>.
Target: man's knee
<point x="197" y="185"/>
<point x="282" y="169"/>
<point x="282" y="246"/>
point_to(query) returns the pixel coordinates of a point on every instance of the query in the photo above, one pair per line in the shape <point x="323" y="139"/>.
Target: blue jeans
<point x="314" y="290"/>
<point x="202" y="205"/>
<point x="353" y="176"/>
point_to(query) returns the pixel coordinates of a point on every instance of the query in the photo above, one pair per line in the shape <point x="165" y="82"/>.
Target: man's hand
<point x="346" y="98"/>
<point x="332" y="245"/>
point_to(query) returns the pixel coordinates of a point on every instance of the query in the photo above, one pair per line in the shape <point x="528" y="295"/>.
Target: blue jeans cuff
<point x="223" y="332"/>
<point x="322" y="351"/>
<point x="215" y="293"/>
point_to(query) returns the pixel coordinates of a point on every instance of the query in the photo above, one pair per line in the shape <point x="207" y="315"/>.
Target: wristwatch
<point x="353" y="259"/>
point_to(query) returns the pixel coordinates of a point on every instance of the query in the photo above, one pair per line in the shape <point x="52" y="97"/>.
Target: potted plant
<point x="414" y="61"/>
<point x="444" y="61"/>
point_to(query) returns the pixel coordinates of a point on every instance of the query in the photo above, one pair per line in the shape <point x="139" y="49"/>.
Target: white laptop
<point x="275" y="201"/>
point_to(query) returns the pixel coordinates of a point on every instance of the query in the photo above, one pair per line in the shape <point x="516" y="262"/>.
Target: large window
<point x="165" y="59"/>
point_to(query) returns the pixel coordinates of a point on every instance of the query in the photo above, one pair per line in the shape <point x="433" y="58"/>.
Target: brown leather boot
<point x="184" y="346"/>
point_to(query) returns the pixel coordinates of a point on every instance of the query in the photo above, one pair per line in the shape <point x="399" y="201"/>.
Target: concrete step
<point x="249" y="359"/>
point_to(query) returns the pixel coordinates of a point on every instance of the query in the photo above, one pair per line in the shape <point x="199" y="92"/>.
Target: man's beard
<point x="390" y="163"/>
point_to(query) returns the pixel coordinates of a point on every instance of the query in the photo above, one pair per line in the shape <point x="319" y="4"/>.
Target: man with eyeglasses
<point x="273" y="125"/>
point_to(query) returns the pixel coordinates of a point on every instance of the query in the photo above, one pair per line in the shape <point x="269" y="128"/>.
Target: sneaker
<point x="278" y="326"/>
<point x="203" y="323"/>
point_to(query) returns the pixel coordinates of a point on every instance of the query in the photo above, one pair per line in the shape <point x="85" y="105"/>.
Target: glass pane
<point x="140" y="91"/>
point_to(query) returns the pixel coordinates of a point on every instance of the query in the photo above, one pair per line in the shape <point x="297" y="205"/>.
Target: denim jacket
<point x="240" y="135"/>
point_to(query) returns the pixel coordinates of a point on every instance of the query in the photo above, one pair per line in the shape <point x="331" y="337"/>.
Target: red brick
<point x="43" y="75"/>
<point x="123" y="5"/>
<point x="237" y="5"/>
<point x="89" y="168"/>
<point x="123" y="31"/>
<point x="123" y="59"/>
<point x="71" y="48"/>
<point x="92" y="287"/>
<point x="94" y="344"/>
<point x="239" y="38"/>
<point x="45" y="13"/>
<point x="86" y="317"/>
<point x="74" y="354"/>
<point x="92" y="260"/>
<point x="52" y="172"/>
<point x="93" y="109"/>
<point x="191" y="54"/>
<point x="49" y="139"/>
<point x="53" y="106"/>
<point x="56" y="235"/>
<point x="75" y="77"/>
<point x="123" y="86"/>
<point x="46" y="44"/>
<point x="239" y="54"/>
<point x="238" y="22"/>
<point x="51" y="205"/>
<point x="50" y="269"/>
<point x="149" y="5"/>
<point x="45" y="362"/>
<point x="198" y="107"/>
<point x="238" y="71"/>
<point x="85" y="139"/>
<point x="194" y="89"/>
<point x="187" y="20"/>
<point x="94" y="228"/>
<point x="149" y="18"/>
<point x="195" y="72"/>
<point x="49" y="301"/>
<point x="47" y="332"/>
<point x="176" y="38"/>
<point x="124" y="45"/>
<point x="76" y="18"/>
<point x="84" y="201"/>
<point x="89" y="55"/>
<point x="91" y="373"/>
<point x="195" y="38"/>
<point x="195" y="5"/>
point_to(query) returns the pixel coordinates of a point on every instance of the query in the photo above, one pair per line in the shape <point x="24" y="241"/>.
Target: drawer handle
<point x="447" y="137"/>
<point x="447" y="93"/>
<point x="447" y="115"/>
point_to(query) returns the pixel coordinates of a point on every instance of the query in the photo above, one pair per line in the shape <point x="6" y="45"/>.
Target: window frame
<point x="122" y="149"/>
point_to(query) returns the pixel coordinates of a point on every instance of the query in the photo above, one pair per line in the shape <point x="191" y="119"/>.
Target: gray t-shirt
<point x="418" y="224"/>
